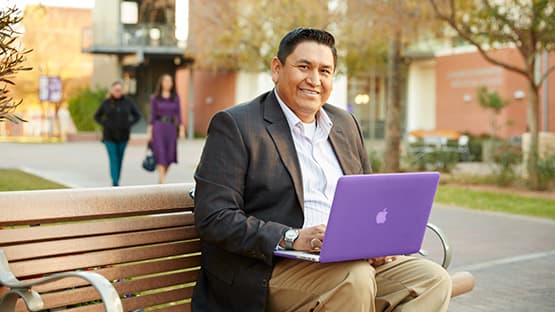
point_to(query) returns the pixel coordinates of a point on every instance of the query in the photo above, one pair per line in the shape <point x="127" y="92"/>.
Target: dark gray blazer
<point x="249" y="192"/>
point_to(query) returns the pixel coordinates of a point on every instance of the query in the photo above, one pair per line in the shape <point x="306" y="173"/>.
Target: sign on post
<point x="50" y="89"/>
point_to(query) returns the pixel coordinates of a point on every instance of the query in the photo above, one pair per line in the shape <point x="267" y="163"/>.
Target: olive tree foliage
<point x="528" y="26"/>
<point x="379" y="34"/>
<point x="11" y="62"/>
<point x="372" y="35"/>
<point x="244" y="34"/>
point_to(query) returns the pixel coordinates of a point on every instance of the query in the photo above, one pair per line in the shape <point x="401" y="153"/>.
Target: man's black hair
<point x="298" y="35"/>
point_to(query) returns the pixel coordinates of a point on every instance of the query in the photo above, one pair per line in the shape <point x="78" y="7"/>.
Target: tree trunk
<point x="393" y="118"/>
<point x="57" y="127"/>
<point x="533" y="116"/>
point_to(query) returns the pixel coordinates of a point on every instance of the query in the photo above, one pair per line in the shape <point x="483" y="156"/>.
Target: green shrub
<point x="376" y="161"/>
<point x="546" y="171"/>
<point x="83" y="106"/>
<point x="506" y="156"/>
<point x="475" y="144"/>
<point x="438" y="159"/>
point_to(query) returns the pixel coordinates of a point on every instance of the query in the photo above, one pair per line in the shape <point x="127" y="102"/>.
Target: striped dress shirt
<point x="319" y="166"/>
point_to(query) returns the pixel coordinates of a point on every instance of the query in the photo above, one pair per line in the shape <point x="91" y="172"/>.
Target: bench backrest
<point x="141" y="238"/>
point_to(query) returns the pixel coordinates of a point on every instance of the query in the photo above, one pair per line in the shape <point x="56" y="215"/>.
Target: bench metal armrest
<point x="447" y="252"/>
<point x="33" y="301"/>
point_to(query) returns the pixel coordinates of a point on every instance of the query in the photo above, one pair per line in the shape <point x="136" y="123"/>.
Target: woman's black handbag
<point x="149" y="163"/>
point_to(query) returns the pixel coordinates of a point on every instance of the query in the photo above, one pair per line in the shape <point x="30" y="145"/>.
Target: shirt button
<point x="264" y="283"/>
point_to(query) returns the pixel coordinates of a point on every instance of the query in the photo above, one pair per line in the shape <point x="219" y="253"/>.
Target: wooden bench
<point x="104" y="249"/>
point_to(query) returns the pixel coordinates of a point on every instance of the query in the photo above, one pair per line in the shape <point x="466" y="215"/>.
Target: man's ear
<point x="276" y="67"/>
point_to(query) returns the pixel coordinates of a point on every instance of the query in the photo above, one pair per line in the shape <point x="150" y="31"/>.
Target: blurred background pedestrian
<point x="116" y="114"/>
<point x="165" y="125"/>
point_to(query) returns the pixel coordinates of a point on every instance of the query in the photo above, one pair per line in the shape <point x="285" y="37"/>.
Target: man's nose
<point x="313" y="78"/>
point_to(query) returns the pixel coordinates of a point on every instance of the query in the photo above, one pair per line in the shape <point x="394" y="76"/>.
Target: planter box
<point x="488" y="150"/>
<point x="546" y="146"/>
<point x="84" y="136"/>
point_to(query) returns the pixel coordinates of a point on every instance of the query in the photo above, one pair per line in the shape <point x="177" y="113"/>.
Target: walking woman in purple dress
<point x="165" y="125"/>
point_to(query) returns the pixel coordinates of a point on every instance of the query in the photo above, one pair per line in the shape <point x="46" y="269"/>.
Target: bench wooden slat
<point x="95" y="243"/>
<point x="88" y="203"/>
<point x="101" y="258"/>
<point x="130" y="304"/>
<point x="184" y="307"/>
<point x="41" y="233"/>
<point x="133" y="303"/>
<point x="126" y="271"/>
<point x="88" y="308"/>
<point x="176" y="308"/>
<point x="136" y="286"/>
<point x="86" y="294"/>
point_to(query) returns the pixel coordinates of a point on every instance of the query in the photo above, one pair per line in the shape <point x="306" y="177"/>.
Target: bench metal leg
<point x="31" y="298"/>
<point x="109" y="295"/>
<point x="447" y="252"/>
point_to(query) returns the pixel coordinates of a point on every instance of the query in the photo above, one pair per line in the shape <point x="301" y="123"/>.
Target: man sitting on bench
<point x="266" y="180"/>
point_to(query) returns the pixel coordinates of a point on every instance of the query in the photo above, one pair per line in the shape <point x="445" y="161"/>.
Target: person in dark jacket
<point x="116" y="114"/>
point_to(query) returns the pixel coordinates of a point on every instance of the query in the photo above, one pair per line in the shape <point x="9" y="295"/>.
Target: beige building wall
<point x="421" y="96"/>
<point x="106" y="22"/>
<point x="105" y="30"/>
<point x="250" y="85"/>
<point x="106" y="70"/>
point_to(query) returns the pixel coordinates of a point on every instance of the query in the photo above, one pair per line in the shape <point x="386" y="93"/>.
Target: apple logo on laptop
<point x="381" y="216"/>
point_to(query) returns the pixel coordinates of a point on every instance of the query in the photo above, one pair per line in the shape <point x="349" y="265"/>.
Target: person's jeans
<point x="115" y="154"/>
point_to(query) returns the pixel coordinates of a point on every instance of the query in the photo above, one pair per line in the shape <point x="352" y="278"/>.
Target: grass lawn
<point x="502" y="202"/>
<point x="17" y="180"/>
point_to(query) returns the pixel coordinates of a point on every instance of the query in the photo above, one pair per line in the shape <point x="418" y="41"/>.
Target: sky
<point x="58" y="3"/>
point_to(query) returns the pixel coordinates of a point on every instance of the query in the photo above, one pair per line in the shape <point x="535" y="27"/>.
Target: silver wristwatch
<point x="290" y="237"/>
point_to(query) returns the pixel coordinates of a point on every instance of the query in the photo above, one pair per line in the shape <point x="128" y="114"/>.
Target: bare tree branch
<point x="546" y="74"/>
<point x="451" y="20"/>
<point x="11" y="60"/>
<point x="506" y="21"/>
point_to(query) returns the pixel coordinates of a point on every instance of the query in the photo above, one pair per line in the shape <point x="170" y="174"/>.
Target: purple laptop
<point x="375" y="215"/>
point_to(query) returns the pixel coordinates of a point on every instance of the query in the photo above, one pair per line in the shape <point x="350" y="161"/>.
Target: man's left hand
<point x="376" y="262"/>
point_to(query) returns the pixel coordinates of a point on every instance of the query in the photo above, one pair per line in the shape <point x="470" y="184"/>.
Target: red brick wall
<point x="213" y="91"/>
<point x="461" y="74"/>
<point x="551" y="84"/>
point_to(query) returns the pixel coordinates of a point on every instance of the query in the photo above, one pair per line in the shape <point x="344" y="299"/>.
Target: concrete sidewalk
<point x="85" y="164"/>
<point x="512" y="257"/>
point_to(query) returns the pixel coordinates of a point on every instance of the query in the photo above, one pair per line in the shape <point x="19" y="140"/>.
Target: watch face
<point x="291" y="234"/>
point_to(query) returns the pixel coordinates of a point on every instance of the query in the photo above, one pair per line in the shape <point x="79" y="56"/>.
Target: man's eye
<point x="303" y="66"/>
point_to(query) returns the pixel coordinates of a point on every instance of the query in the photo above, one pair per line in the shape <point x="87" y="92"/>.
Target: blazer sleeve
<point x="219" y="195"/>
<point x="363" y="153"/>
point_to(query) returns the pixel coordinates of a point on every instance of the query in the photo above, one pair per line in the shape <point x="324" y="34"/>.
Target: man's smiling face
<point x="305" y="81"/>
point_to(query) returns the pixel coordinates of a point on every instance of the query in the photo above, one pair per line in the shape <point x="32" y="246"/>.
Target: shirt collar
<point x="322" y="119"/>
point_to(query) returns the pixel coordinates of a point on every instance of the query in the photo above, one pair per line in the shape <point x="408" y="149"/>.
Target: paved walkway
<point x="85" y="164"/>
<point x="511" y="257"/>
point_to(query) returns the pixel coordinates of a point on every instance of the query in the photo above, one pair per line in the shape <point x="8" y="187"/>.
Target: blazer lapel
<point x="278" y="128"/>
<point x="340" y="145"/>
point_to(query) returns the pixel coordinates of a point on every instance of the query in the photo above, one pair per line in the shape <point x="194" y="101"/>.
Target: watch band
<point x="290" y="237"/>
<point x="289" y="244"/>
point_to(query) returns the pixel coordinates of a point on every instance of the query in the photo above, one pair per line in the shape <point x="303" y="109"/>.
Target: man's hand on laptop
<point x="310" y="239"/>
<point x="376" y="262"/>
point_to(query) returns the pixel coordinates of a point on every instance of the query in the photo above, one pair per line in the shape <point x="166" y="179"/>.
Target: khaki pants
<point x="406" y="284"/>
